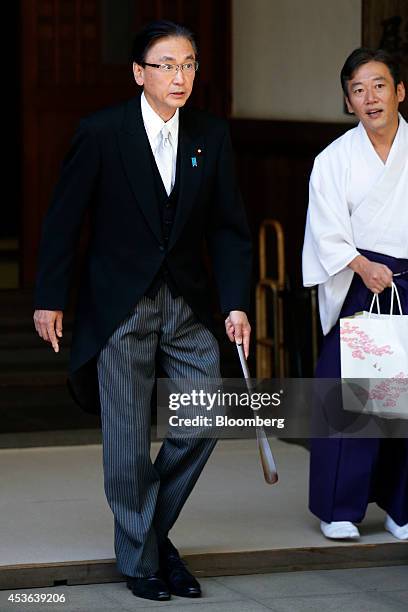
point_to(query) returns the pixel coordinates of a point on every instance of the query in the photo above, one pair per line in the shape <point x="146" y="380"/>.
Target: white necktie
<point x="164" y="159"/>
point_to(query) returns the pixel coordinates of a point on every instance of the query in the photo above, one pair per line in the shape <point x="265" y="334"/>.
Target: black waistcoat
<point x="167" y="207"/>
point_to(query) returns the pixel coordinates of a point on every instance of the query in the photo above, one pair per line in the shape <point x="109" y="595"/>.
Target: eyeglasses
<point x="188" y="67"/>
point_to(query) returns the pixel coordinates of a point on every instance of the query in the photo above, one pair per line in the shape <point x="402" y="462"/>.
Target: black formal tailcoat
<point x="108" y="171"/>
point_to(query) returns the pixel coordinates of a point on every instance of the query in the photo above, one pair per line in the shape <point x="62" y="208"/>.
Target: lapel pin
<point x="194" y="162"/>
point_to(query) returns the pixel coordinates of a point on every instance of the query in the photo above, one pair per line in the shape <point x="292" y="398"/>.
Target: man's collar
<point x="153" y="123"/>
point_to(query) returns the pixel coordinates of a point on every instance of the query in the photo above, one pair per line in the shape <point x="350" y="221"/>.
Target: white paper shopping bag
<point x="374" y="349"/>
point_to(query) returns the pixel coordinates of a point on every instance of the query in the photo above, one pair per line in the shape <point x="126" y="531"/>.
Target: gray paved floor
<point x="380" y="589"/>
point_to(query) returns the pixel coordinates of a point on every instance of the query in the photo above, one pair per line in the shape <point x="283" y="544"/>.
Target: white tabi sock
<point x="340" y="530"/>
<point x="398" y="531"/>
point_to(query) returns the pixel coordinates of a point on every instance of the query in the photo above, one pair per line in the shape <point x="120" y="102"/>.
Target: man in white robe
<point x="356" y="238"/>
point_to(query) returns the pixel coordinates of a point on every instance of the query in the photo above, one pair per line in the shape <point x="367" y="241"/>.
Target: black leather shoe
<point x="175" y="573"/>
<point x="150" y="587"/>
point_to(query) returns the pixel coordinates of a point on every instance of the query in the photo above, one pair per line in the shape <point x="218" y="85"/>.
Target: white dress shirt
<point x="153" y="125"/>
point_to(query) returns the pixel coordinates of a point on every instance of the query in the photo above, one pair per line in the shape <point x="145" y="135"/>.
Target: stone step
<point x="16" y="311"/>
<point x="52" y="409"/>
<point x="10" y="323"/>
<point x="31" y="396"/>
<point x="38" y="357"/>
<point x="32" y="378"/>
<point x="28" y="338"/>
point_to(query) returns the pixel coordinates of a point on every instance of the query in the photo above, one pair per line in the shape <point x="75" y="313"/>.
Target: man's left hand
<point x="238" y="329"/>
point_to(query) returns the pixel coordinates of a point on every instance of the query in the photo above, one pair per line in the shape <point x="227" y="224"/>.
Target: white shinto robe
<point x="355" y="202"/>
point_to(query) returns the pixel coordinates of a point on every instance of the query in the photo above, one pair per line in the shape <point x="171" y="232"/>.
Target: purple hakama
<point x="346" y="474"/>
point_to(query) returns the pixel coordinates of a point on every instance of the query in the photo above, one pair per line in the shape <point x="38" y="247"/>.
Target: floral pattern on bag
<point x="389" y="390"/>
<point x="360" y="343"/>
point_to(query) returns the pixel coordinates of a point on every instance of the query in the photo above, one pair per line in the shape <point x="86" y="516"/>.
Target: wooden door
<point x="385" y="25"/>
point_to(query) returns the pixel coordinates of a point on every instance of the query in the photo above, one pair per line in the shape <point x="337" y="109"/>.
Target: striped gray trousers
<point x="145" y="497"/>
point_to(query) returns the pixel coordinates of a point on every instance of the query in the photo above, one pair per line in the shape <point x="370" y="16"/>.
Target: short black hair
<point x="154" y="30"/>
<point x="363" y="55"/>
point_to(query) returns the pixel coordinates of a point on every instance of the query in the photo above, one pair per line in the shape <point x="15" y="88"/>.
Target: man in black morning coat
<point x="159" y="182"/>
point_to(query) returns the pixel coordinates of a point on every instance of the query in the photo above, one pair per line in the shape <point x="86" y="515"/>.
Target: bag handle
<point x="375" y="299"/>
<point x="394" y="292"/>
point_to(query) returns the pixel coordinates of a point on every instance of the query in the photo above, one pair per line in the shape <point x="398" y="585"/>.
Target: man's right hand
<point x="48" y="324"/>
<point x="375" y="276"/>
